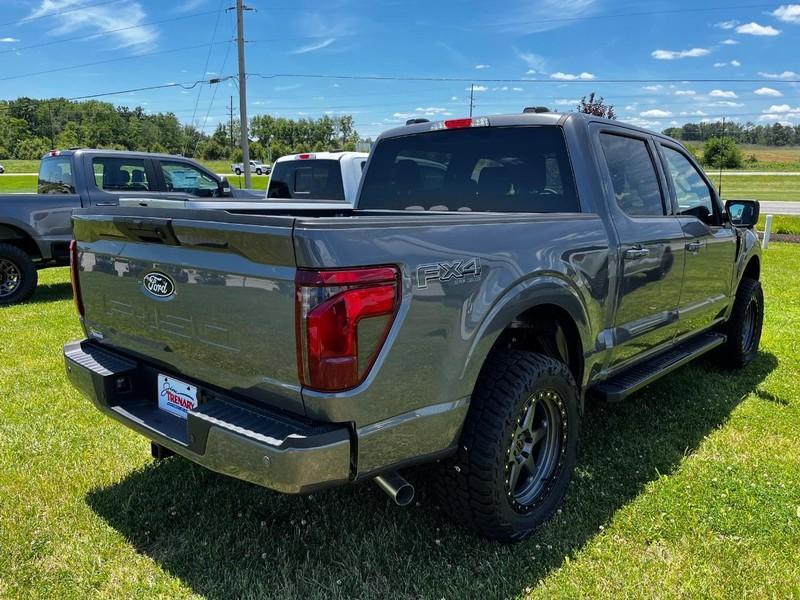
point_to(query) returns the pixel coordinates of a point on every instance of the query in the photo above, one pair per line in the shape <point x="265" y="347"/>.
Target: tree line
<point x="30" y="127"/>
<point x="775" y="134"/>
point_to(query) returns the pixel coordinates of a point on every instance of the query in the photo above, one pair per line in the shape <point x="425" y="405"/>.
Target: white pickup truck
<point x="256" y="167"/>
<point x="317" y="176"/>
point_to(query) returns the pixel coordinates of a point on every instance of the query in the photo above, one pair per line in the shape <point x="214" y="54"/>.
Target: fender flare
<point x="538" y="290"/>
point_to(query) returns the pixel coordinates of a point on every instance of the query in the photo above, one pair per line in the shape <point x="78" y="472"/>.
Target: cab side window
<point x="633" y="174"/>
<point x="120" y="174"/>
<point x="182" y="177"/>
<point x="691" y="191"/>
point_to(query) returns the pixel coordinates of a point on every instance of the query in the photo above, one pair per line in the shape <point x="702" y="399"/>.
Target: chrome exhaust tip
<point x="398" y="489"/>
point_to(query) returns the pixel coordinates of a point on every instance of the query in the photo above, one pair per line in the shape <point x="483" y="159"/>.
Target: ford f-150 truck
<point x="494" y="275"/>
<point x="35" y="229"/>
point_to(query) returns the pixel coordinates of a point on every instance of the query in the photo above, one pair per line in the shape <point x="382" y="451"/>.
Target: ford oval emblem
<point x="159" y="285"/>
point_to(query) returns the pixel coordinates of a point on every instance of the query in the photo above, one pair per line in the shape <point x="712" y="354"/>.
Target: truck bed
<point x="231" y="320"/>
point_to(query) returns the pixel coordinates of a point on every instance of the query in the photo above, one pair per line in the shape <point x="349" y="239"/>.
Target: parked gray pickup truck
<point x="35" y="229"/>
<point x="494" y="275"/>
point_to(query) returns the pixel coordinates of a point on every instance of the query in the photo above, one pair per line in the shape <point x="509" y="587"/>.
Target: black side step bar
<point x="626" y="383"/>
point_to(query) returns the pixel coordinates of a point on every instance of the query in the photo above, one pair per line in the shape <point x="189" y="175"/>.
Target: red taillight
<point x="304" y="156"/>
<point x="342" y="320"/>
<point x="73" y="275"/>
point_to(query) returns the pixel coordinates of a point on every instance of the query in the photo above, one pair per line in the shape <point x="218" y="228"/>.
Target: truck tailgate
<point x="207" y="297"/>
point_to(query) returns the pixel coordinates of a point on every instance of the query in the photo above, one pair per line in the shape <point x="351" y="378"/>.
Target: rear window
<point x="497" y="169"/>
<point x="311" y="179"/>
<point x="55" y="176"/>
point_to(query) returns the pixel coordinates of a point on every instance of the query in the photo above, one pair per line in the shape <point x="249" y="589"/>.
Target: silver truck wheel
<point x="18" y="276"/>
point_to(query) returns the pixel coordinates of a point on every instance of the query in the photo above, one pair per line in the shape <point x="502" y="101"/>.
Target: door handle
<point x="635" y="253"/>
<point x="694" y="246"/>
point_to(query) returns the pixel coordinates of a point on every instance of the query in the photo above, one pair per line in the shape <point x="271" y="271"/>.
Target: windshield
<point x="498" y="169"/>
<point x="307" y="179"/>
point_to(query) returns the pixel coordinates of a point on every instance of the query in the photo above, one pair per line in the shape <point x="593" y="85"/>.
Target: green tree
<point x="722" y="152"/>
<point x="32" y="148"/>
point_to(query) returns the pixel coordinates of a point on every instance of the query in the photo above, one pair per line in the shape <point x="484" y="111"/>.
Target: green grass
<point x="20" y="166"/>
<point x="689" y="489"/>
<point x="788" y="224"/>
<point x="760" y="187"/>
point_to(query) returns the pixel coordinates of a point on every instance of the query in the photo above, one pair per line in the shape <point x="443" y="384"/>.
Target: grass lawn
<point x="760" y="187"/>
<point x="789" y="224"/>
<point x="691" y="488"/>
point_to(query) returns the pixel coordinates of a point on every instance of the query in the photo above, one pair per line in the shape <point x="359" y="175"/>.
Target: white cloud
<point x="780" y="108"/>
<point x="432" y="110"/>
<point x="516" y="89"/>
<point x="482" y="66"/>
<point x="454" y="98"/>
<point x="694" y="113"/>
<point x="656" y="113"/>
<point x="736" y="63"/>
<point x="685" y="92"/>
<point x="534" y="62"/>
<point x="534" y="17"/>
<point x="478" y="88"/>
<point x="767" y="91"/>
<point x="571" y="77"/>
<point x="313" y="47"/>
<point x="727" y="103"/>
<point x="642" y="122"/>
<point x="8" y="40"/>
<point x="125" y="18"/>
<point x="733" y="63"/>
<point x="676" y="54"/>
<point x="756" y="29"/>
<point x="722" y="94"/>
<point x="727" y="24"/>
<point x="790" y="13"/>
<point x="784" y="75"/>
<point x="653" y="88"/>
<point x="566" y="102"/>
<point x="631" y="107"/>
<point x="729" y="42"/>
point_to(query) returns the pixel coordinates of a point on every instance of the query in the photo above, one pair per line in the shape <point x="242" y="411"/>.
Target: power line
<point x="61" y="12"/>
<point x="214" y="92"/>
<point x="110" y="60"/>
<point x="208" y="58"/>
<point x="511" y="80"/>
<point x="105" y="32"/>
<point x="189" y="85"/>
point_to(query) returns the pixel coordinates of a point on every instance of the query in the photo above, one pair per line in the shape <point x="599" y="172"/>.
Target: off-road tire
<point x="743" y="328"/>
<point x="28" y="276"/>
<point x="472" y="486"/>
<point x="238" y="171"/>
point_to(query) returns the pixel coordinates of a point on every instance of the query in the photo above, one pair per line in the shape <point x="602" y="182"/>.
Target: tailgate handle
<point x="152" y="231"/>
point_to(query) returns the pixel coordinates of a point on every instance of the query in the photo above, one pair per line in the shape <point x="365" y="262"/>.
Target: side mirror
<point x="224" y="188"/>
<point x="743" y="213"/>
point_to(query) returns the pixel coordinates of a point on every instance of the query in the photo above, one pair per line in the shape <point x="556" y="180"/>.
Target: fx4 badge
<point x="456" y="271"/>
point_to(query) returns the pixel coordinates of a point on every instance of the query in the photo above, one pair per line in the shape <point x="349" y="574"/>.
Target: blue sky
<point x="558" y="50"/>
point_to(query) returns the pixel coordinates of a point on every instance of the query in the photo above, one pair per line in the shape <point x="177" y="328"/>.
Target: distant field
<point x="770" y="158"/>
<point x="761" y="187"/>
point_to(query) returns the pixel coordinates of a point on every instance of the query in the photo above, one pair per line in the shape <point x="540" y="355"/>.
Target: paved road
<point x="747" y="173"/>
<point x="771" y="207"/>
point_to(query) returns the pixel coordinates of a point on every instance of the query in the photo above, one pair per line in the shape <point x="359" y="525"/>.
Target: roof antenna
<point x="721" y="157"/>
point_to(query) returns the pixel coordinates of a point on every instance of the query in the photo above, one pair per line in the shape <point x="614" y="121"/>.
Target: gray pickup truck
<point x="494" y="274"/>
<point x="35" y="229"/>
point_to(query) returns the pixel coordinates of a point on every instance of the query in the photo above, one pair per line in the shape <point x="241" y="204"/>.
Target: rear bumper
<point x="223" y="434"/>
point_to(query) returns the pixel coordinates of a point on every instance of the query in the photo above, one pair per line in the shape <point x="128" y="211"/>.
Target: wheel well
<point x="546" y="329"/>
<point x="17" y="237"/>
<point x="753" y="269"/>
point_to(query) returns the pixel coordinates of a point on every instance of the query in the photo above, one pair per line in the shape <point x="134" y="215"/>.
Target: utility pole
<point x="471" y="98"/>
<point x="233" y="145"/>
<point x="721" y="157"/>
<point x="240" y="8"/>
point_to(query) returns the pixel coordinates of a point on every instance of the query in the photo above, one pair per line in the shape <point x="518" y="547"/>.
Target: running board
<point x="626" y="383"/>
